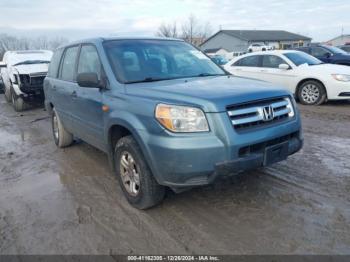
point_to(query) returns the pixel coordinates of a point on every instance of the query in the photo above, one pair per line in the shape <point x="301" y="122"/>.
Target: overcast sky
<point x="319" y="19"/>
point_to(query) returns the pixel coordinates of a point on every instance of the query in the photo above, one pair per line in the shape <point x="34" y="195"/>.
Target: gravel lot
<point x="55" y="201"/>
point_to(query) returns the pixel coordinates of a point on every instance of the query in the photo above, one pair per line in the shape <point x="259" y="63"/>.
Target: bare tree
<point x="168" y="30"/>
<point x="192" y="31"/>
<point x="9" y="43"/>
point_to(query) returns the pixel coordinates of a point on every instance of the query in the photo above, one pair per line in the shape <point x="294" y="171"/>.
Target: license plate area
<point x="276" y="153"/>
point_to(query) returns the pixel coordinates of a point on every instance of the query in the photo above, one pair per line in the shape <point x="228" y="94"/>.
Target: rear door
<point x="248" y="66"/>
<point x="65" y="87"/>
<point x="87" y="113"/>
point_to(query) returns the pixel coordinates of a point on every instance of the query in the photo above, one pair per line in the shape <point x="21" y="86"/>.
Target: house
<point x="240" y="40"/>
<point x="340" y="40"/>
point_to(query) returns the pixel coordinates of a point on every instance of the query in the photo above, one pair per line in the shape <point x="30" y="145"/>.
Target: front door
<point x="271" y="72"/>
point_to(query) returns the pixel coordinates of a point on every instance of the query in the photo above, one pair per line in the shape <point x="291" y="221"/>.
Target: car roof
<point x="112" y="38"/>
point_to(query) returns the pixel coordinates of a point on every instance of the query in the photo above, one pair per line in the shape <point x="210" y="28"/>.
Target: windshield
<point x="336" y="50"/>
<point x="299" y="58"/>
<point x="155" y="60"/>
<point x="31" y="62"/>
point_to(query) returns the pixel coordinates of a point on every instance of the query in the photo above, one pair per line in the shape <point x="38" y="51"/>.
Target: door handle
<point x="74" y="94"/>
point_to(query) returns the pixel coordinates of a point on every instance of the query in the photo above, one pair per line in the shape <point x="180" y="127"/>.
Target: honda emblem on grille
<point x="268" y="113"/>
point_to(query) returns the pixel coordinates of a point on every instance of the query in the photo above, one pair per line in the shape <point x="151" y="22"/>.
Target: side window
<point x="250" y="61"/>
<point x="55" y="63"/>
<point x="272" y="61"/>
<point x="318" y="51"/>
<point x="89" y="61"/>
<point x="68" y="63"/>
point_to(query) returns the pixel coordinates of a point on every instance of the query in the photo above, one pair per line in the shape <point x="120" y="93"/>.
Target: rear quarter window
<point x="55" y="63"/>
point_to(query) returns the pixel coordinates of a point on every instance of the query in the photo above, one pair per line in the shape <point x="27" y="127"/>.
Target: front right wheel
<point x="312" y="93"/>
<point x="135" y="178"/>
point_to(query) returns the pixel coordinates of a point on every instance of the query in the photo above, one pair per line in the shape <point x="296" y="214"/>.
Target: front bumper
<point x="188" y="160"/>
<point x="337" y="90"/>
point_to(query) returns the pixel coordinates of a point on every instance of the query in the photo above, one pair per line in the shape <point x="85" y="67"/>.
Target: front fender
<point x="137" y="130"/>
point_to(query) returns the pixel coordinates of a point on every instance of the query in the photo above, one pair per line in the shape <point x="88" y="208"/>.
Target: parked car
<point x="23" y="74"/>
<point x="259" y="47"/>
<point x="219" y="60"/>
<point x="327" y="54"/>
<point x="346" y="48"/>
<point x="165" y="114"/>
<point x="311" y="80"/>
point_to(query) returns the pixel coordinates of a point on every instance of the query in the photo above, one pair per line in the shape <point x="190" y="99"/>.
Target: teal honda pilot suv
<point x="166" y="115"/>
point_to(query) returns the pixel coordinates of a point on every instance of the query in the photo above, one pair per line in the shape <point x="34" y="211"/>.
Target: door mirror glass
<point x="283" y="66"/>
<point x="88" y="80"/>
<point x="2" y="64"/>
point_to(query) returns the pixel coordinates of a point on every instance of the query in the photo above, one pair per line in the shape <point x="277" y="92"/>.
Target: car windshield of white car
<point x="302" y="58"/>
<point x="31" y="62"/>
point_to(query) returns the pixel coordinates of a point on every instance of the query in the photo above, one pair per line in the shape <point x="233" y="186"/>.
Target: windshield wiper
<point x="148" y="79"/>
<point x="207" y="74"/>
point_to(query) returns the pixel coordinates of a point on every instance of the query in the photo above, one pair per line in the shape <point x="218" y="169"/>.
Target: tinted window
<point x="319" y="51"/>
<point x="251" y="61"/>
<point x="68" y="64"/>
<point x="272" y="61"/>
<point x="89" y="61"/>
<point x="335" y="50"/>
<point x="155" y="60"/>
<point x="299" y="58"/>
<point x="55" y="63"/>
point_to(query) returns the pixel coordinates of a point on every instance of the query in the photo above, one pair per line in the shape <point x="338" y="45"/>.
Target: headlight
<point x="181" y="118"/>
<point x="340" y="77"/>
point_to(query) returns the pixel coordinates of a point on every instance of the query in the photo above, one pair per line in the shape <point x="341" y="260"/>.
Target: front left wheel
<point x="135" y="178"/>
<point x="312" y="93"/>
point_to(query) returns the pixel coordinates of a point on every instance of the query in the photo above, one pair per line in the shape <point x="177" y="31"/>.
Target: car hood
<point x="327" y="69"/>
<point x="212" y="94"/>
<point x="31" y="69"/>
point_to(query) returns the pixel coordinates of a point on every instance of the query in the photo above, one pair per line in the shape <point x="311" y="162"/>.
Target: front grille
<point x="258" y="113"/>
<point x="260" y="147"/>
<point x="31" y="83"/>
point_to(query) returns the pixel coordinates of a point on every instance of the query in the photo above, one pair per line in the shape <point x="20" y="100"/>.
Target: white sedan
<point x="312" y="81"/>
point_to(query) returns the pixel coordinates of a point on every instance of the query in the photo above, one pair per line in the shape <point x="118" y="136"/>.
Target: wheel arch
<point x="118" y="129"/>
<point x="301" y="82"/>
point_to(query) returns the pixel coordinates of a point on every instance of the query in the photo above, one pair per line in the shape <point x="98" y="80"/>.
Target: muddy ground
<point x="55" y="201"/>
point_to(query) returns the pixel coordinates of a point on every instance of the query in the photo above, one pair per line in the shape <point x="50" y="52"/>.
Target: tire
<point x="17" y="102"/>
<point x="312" y="93"/>
<point x="7" y="93"/>
<point x="61" y="136"/>
<point x="142" y="191"/>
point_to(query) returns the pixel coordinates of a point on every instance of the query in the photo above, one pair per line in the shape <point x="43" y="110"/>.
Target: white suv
<point x="23" y="74"/>
<point x="259" y="47"/>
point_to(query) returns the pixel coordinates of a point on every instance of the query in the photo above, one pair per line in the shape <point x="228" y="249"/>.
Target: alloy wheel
<point x="129" y="172"/>
<point x="310" y="93"/>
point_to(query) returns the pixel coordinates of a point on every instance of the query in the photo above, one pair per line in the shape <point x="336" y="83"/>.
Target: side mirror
<point x="88" y="80"/>
<point x="328" y="55"/>
<point x="2" y="64"/>
<point x="283" y="66"/>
